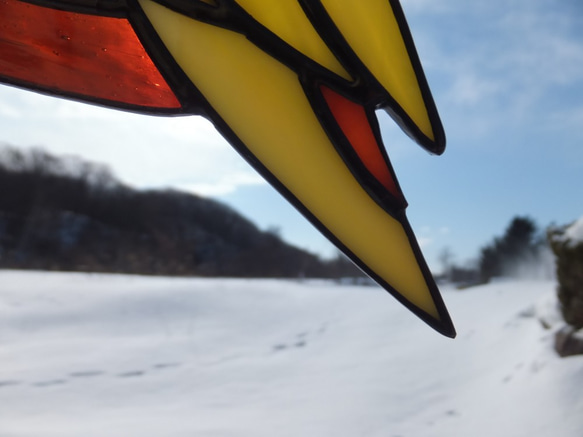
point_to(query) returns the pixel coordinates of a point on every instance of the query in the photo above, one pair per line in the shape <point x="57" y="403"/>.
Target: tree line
<point x="522" y="247"/>
<point x="69" y="214"/>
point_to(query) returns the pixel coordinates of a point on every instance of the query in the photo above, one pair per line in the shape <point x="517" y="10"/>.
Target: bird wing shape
<point x="293" y="85"/>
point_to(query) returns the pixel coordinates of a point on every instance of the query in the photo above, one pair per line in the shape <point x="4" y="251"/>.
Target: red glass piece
<point x="80" y="55"/>
<point x="353" y="121"/>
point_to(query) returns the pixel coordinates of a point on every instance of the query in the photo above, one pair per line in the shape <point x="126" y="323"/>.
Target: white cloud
<point x="570" y="119"/>
<point x="227" y="183"/>
<point x="424" y="242"/>
<point x="499" y="66"/>
<point x="471" y="89"/>
<point x="143" y="151"/>
<point x="426" y="6"/>
<point x="539" y="53"/>
<point x="9" y="111"/>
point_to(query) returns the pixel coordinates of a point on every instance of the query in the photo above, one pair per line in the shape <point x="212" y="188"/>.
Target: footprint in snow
<point x="86" y="374"/>
<point x="281" y="347"/>
<point x="50" y="383"/>
<point x="131" y="374"/>
<point x="300" y="341"/>
<point x="9" y="383"/>
<point x="165" y="365"/>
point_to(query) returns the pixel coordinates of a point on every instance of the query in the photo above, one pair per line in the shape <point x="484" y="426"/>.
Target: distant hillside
<point x="67" y="214"/>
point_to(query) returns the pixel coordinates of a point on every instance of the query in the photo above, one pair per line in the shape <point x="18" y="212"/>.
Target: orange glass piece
<point x="80" y="55"/>
<point x="353" y="121"/>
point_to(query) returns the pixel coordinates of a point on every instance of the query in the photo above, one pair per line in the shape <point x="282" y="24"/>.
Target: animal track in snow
<point x="86" y="375"/>
<point x="300" y="341"/>
<point x="9" y="383"/>
<point x="131" y="374"/>
<point x="50" y="382"/>
<point x="165" y="365"/>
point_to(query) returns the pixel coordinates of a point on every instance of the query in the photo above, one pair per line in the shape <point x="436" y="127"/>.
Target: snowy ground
<point x="121" y="356"/>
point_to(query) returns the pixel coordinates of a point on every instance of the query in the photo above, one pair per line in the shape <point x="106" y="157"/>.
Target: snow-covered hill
<point x="122" y="356"/>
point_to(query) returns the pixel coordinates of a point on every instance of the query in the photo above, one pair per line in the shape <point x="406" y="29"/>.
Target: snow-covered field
<point x="122" y="356"/>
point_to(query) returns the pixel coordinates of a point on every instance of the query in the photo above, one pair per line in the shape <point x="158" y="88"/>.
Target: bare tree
<point x="446" y="258"/>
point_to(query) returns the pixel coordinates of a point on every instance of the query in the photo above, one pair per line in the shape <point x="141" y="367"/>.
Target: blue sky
<point x="507" y="77"/>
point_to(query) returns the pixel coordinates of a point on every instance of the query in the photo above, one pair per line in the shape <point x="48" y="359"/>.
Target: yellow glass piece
<point x="372" y="31"/>
<point x="287" y="20"/>
<point x="263" y="103"/>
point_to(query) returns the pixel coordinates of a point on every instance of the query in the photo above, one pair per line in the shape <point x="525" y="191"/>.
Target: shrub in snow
<point x="567" y="244"/>
<point x="520" y="252"/>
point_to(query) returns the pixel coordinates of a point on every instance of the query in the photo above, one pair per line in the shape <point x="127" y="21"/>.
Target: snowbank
<point x="571" y="235"/>
<point x="574" y="233"/>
